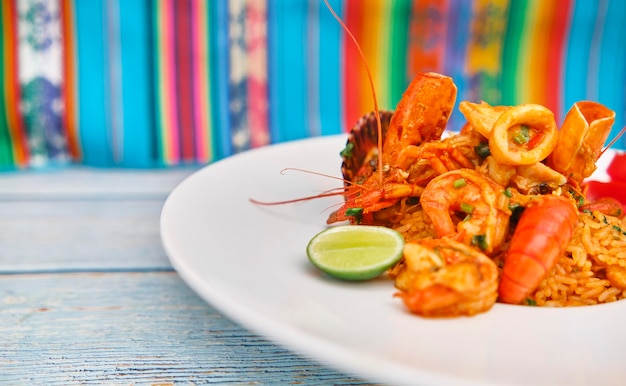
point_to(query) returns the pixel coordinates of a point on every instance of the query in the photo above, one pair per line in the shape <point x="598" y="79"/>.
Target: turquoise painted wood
<point x="87" y="295"/>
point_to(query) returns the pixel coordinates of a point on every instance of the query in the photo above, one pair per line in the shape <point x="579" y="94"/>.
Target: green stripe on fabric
<point x="398" y="41"/>
<point x="158" y="80"/>
<point x="511" y="51"/>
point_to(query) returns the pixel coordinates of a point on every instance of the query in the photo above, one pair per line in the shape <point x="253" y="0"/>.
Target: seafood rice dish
<point x="494" y="213"/>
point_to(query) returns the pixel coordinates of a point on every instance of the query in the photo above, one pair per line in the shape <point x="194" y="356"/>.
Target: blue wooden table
<point x="87" y="295"/>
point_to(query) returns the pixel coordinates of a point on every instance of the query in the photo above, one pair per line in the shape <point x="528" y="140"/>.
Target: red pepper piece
<point x="617" y="169"/>
<point x="614" y="189"/>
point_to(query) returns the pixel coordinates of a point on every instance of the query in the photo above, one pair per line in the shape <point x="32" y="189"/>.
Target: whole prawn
<point x="541" y="236"/>
<point x="411" y="125"/>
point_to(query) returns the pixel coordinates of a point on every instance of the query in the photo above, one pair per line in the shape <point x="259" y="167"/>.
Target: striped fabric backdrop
<point x="155" y="83"/>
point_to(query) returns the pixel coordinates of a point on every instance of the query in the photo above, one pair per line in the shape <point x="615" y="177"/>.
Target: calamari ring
<point x="538" y="145"/>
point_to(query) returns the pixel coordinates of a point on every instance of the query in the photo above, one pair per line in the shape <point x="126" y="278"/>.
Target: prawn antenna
<point x="613" y="141"/>
<point x="329" y="193"/>
<point x="371" y="82"/>
<point x="316" y="173"/>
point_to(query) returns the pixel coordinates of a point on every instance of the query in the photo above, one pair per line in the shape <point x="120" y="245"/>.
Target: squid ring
<point x="523" y="135"/>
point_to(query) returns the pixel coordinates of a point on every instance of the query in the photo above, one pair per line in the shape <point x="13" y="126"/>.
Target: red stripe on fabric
<point x="68" y="90"/>
<point x="427" y="39"/>
<point x="352" y="64"/>
<point x="556" y="52"/>
<point x="16" y="123"/>
<point x="184" y="72"/>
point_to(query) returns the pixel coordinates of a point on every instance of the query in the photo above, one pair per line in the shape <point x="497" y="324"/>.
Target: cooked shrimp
<point x="445" y="278"/>
<point x="542" y="234"/>
<point x="468" y="207"/>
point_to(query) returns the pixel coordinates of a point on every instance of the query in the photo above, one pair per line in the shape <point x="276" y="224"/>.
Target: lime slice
<point x="355" y="252"/>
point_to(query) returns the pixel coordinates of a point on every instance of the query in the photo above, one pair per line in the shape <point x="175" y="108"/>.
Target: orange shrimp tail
<point x="431" y="301"/>
<point x="541" y="236"/>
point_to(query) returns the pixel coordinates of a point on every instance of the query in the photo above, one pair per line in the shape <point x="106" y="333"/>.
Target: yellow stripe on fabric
<point x="539" y="21"/>
<point x="371" y="27"/>
<point x="164" y="56"/>
<point x="484" y="50"/>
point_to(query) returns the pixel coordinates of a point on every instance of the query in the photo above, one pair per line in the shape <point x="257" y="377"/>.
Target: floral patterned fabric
<point x="154" y="83"/>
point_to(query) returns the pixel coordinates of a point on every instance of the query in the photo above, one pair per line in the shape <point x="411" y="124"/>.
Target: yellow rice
<point x="579" y="276"/>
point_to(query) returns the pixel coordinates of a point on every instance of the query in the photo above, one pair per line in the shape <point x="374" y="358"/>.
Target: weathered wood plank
<point x="81" y="235"/>
<point x="90" y="182"/>
<point x="143" y="328"/>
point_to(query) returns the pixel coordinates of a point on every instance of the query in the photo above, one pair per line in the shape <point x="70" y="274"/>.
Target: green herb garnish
<point x="480" y="241"/>
<point x="508" y="193"/>
<point x="357" y="213"/>
<point x="347" y="151"/>
<point x="459" y="183"/>
<point x="482" y="150"/>
<point x="467" y="208"/>
<point x="522" y="136"/>
<point x="354" y="211"/>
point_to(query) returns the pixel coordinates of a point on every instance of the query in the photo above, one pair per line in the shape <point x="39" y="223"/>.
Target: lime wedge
<point x="355" y="252"/>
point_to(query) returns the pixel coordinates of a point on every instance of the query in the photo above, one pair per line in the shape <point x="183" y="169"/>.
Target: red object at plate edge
<point x="616" y="188"/>
<point x="617" y="169"/>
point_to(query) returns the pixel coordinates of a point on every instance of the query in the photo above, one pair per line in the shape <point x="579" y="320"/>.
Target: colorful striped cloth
<point x="154" y="83"/>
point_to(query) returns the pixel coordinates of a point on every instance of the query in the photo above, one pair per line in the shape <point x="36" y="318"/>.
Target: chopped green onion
<point x="507" y="192"/>
<point x="357" y="213"/>
<point x="459" y="183"/>
<point x="347" y="151"/>
<point x="513" y="206"/>
<point x="467" y="208"/>
<point x="482" y="150"/>
<point x="354" y="211"/>
<point x="480" y="241"/>
<point x="522" y="136"/>
<point x="530" y="302"/>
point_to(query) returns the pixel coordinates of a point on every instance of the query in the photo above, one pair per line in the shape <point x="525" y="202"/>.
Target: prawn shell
<point x="541" y="236"/>
<point x="361" y="152"/>
<point x="421" y="115"/>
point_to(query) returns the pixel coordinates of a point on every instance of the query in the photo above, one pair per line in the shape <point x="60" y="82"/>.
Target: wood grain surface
<point x="87" y="295"/>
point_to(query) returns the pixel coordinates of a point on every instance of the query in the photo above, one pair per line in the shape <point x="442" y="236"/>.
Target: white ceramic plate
<point x="249" y="261"/>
